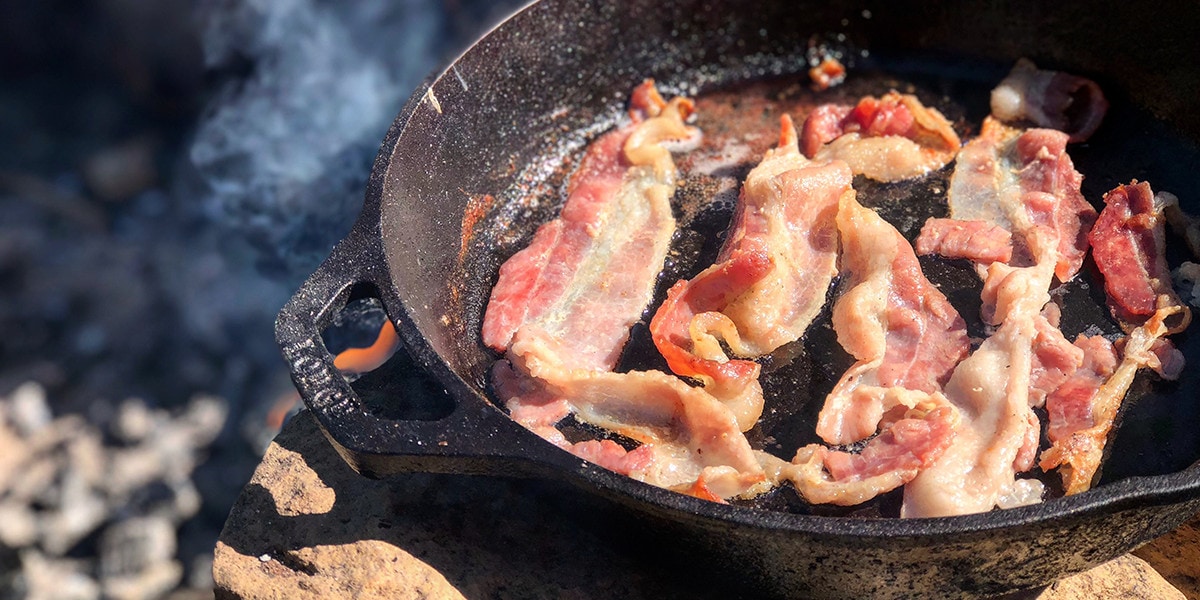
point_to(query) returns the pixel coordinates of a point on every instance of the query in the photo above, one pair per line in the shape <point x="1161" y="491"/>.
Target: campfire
<point x="178" y="169"/>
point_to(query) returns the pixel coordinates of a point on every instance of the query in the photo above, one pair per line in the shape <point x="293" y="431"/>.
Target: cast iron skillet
<point x="505" y="120"/>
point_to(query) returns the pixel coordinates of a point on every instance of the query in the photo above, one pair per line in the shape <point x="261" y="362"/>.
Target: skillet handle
<point x="475" y="438"/>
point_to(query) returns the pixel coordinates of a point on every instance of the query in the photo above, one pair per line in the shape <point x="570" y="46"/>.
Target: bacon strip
<point x="1053" y="99"/>
<point x="1129" y="248"/>
<point x="889" y="138"/>
<point x="1055" y="359"/>
<point x="587" y="276"/>
<point x="769" y="280"/>
<point x="907" y="339"/>
<point x="979" y="241"/>
<point x="905" y="334"/>
<point x="991" y="390"/>
<point x="894" y="457"/>
<point x="690" y="440"/>
<point x="1025" y="183"/>
<point x="1129" y="245"/>
<point x="1069" y="406"/>
<point x="1013" y="369"/>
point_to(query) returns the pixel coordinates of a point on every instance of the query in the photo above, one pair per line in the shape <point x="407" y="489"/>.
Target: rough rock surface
<point x="1123" y="577"/>
<point x="1177" y="557"/>
<point x="306" y="526"/>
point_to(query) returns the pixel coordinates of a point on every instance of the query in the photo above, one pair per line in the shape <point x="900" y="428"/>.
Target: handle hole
<point x="369" y="355"/>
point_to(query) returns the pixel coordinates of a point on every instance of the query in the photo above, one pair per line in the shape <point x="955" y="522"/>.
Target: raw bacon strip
<point x="1128" y="244"/>
<point x="1078" y="454"/>
<point x="1129" y="248"/>
<point x="890" y="138"/>
<point x="562" y="309"/>
<point x="994" y="391"/>
<point x="587" y="276"/>
<point x="894" y="457"/>
<point x="978" y="241"/>
<point x="691" y="441"/>
<point x="690" y="313"/>
<point x="1023" y="182"/>
<point x="905" y="334"/>
<point x="1061" y="101"/>
<point x="1070" y="407"/>
<point x="1052" y="197"/>
<point x="1168" y="362"/>
<point x="991" y="390"/>
<point x="770" y="277"/>
<point x="1055" y="360"/>
<point x="907" y="338"/>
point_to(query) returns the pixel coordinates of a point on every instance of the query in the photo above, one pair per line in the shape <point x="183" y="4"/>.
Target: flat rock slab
<point x="306" y="526"/>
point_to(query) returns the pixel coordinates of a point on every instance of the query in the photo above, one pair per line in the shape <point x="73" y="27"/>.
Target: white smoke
<point x="284" y="151"/>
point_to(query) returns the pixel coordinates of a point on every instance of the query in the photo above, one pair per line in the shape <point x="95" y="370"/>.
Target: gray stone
<point x="18" y="525"/>
<point x="80" y="512"/>
<point x="148" y="584"/>
<point x="133" y="422"/>
<point x="27" y="409"/>
<point x="55" y="579"/>
<point x="137" y="559"/>
<point x="13" y="454"/>
<point x="131" y="546"/>
<point x="60" y="484"/>
<point x="33" y="480"/>
<point x="130" y="469"/>
<point x="200" y="574"/>
<point x="204" y="418"/>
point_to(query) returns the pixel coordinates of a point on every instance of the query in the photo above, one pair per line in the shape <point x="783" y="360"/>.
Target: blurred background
<point x="170" y="171"/>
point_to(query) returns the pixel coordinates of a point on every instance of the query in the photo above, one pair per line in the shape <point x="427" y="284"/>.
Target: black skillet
<point x="507" y="119"/>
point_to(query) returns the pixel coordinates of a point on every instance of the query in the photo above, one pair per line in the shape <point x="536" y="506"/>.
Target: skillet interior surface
<point x="498" y="144"/>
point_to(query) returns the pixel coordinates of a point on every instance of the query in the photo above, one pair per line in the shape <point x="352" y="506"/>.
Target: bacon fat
<point x="889" y="138"/>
